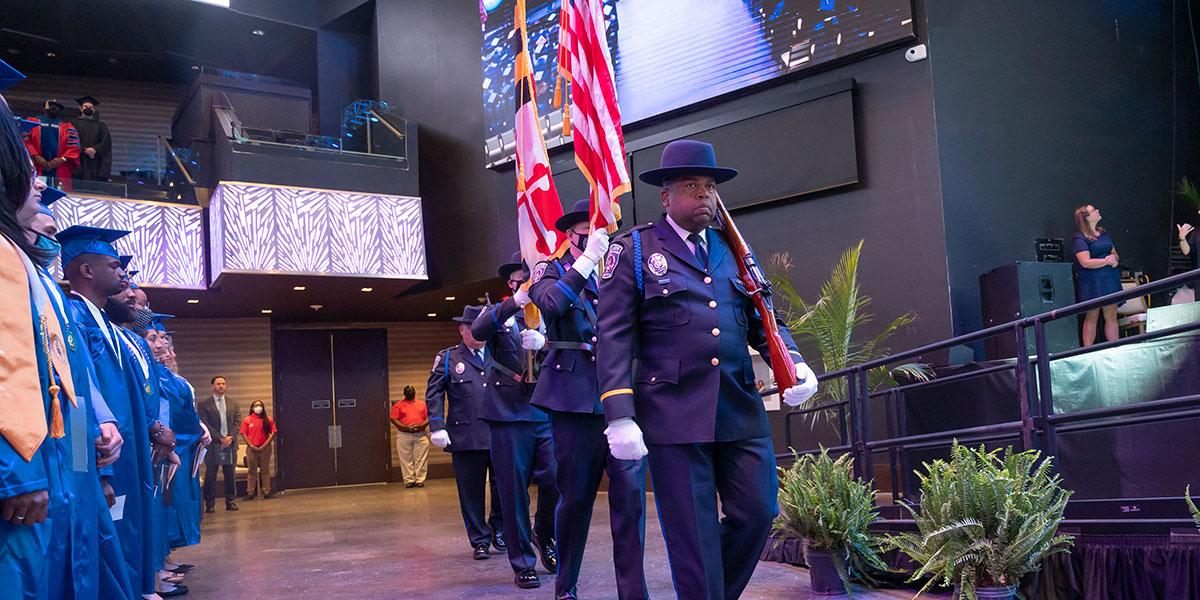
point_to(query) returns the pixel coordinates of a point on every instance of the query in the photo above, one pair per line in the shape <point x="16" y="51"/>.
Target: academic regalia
<point x="55" y="138"/>
<point x="183" y="514"/>
<point x="131" y="476"/>
<point x="93" y="133"/>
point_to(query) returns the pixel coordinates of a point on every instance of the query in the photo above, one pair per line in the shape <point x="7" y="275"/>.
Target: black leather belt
<point x="571" y="346"/>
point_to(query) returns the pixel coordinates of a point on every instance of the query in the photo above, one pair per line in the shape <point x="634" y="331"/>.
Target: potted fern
<point x="985" y="520"/>
<point x="821" y="501"/>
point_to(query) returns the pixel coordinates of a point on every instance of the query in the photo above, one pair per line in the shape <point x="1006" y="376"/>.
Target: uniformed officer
<point x="565" y="289"/>
<point x="671" y="298"/>
<point x="522" y="450"/>
<point x="458" y="375"/>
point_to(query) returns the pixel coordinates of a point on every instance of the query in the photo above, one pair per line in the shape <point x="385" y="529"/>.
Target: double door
<point x="331" y="402"/>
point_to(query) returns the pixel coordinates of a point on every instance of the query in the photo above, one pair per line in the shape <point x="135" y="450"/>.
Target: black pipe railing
<point x="1038" y="425"/>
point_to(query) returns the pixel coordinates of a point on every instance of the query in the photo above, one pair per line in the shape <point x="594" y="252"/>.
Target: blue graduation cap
<point x="9" y="76"/>
<point x="78" y="240"/>
<point x="125" y="260"/>
<point x="157" y="321"/>
<point x="49" y="196"/>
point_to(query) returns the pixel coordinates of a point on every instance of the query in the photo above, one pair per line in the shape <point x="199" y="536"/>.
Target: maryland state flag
<point x="538" y="206"/>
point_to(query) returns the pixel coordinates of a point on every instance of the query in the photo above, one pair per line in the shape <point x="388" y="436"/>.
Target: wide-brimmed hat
<point x="470" y="313"/>
<point x="580" y="213"/>
<point x="512" y="266"/>
<point x="687" y="157"/>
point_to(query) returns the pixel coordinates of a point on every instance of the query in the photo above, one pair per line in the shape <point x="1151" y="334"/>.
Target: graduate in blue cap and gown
<point x="183" y="510"/>
<point x="93" y="268"/>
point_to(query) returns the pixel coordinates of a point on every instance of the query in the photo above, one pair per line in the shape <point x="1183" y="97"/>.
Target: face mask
<point x="579" y="240"/>
<point x="258" y="410"/>
<point x="87" y="112"/>
<point x="53" y="113"/>
<point x="50" y="245"/>
<point x="143" y="318"/>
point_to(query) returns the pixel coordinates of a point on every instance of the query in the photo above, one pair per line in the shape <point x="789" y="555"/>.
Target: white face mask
<point x="258" y="410"/>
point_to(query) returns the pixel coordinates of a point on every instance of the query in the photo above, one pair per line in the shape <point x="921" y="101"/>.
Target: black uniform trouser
<point x="711" y="555"/>
<point x="471" y="474"/>
<point x="523" y="453"/>
<point x="210" y="481"/>
<point x="583" y="457"/>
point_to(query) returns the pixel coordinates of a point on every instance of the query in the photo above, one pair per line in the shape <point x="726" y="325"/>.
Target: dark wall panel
<point x="1043" y="109"/>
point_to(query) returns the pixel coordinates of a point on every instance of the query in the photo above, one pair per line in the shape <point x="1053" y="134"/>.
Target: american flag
<point x="594" y="118"/>
<point x="538" y="206"/>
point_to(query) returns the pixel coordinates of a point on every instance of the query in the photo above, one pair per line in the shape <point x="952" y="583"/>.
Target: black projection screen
<point x="798" y="149"/>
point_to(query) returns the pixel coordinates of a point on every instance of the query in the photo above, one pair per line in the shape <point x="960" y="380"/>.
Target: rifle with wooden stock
<point x="759" y="287"/>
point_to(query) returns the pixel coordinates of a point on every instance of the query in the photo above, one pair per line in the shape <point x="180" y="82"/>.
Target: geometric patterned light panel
<point x="259" y="228"/>
<point x="166" y="240"/>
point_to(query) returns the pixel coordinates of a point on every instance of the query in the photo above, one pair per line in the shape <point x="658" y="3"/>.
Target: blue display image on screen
<point x="670" y="54"/>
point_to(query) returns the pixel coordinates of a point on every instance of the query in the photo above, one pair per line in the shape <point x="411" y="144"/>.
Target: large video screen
<point x="669" y="54"/>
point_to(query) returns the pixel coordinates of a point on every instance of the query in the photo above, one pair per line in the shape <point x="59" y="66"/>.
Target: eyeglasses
<point x="513" y="284"/>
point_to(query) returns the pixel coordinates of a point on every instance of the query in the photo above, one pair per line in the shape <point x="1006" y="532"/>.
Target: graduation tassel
<point x="56" y="416"/>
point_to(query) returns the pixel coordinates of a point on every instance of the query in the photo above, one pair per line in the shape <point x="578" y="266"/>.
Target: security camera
<point x="916" y="53"/>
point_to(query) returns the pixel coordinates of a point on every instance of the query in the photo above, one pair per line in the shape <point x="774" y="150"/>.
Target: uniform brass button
<point x="593" y="339"/>
<point x="593" y="359"/>
<point x="712" y="303"/>
<point x="665" y="291"/>
<point x="708" y="280"/>
<point x="653" y="379"/>
<point x="715" y="361"/>
<point x="595" y="302"/>
<point x="485" y="385"/>
<point x="716" y="331"/>
<point x="557" y="366"/>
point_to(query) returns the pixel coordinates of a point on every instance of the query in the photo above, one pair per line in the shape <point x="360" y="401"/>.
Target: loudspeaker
<point x="1023" y="289"/>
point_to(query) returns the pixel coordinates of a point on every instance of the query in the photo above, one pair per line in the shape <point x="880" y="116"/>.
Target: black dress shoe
<point x="210" y="509"/>
<point x="567" y="595"/>
<point x="179" y="590"/>
<point x="498" y="541"/>
<point x="410" y="485"/>
<point x="183" y="568"/>
<point x="247" y="498"/>
<point x="549" y="555"/>
<point x="268" y="496"/>
<point x="420" y="485"/>
<point x="481" y="552"/>
<point x="230" y="506"/>
<point x="528" y="579"/>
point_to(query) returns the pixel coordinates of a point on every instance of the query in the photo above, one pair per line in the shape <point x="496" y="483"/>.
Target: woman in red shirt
<point x="258" y="431"/>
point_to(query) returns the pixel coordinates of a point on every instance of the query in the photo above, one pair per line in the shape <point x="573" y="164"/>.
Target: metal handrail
<point x="178" y="163"/>
<point x="1038" y="421"/>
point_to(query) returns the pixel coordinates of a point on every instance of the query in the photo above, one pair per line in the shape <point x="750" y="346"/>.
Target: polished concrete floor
<point x="385" y="541"/>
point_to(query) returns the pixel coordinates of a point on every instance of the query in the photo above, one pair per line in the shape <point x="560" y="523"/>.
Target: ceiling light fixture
<point x="431" y="315"/>
<point x="367" y="289"/>
<point x="259" y="32"/>
<point x="450" y="298"/>
<point x="266" y="311"/>
<point x="195" y="67"/>
<point x="51" y="55"/>
<point x="193" y="301"/>
<point x="299" y="288"/>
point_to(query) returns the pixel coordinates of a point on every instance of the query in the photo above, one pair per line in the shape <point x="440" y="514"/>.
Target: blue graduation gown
<point x="131" y="476"/>
<point x="183" y="513"/>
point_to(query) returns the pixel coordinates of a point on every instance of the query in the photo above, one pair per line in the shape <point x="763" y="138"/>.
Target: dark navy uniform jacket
<point x="568" y="303"/>
<point x="689" y="329"/>
<point x="507" y="393"/>
<point x="458" y="375"/>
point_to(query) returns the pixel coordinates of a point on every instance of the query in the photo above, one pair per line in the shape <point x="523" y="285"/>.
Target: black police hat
<point x="514" y="265"/>
<point x="80" y="100"/>
<point x="687" y="157"/>
<point x="470" y="313"/>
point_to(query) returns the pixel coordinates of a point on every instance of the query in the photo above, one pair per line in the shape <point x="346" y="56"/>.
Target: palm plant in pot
<point x="821" y="501"/>
<point x="985" y="520"/>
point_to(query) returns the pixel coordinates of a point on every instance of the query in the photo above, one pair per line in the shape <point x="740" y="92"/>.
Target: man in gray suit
<point x="222" y="418"/>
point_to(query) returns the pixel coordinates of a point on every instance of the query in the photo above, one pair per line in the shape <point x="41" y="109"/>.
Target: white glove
<point x="521" y="297"/>
<point x="440" y="438"/>
<point x="532" y="339"/>
<point x="593" y="253"/>
<point x="625" y="439"/>
<point x="805" y="387"/>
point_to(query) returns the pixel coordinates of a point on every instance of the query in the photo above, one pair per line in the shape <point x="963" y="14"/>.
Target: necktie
<point x="479" y="353"/>
<point x="701" y="252"/>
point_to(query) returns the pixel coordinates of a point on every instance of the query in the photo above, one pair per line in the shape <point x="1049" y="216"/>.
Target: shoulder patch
<point x="611" y="260"/>
<point x="437" y="361"/>
<point x="539" y="271"/>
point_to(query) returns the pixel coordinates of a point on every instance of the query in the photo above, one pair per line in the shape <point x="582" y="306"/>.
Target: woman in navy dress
<point x="1096" y="272"/>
